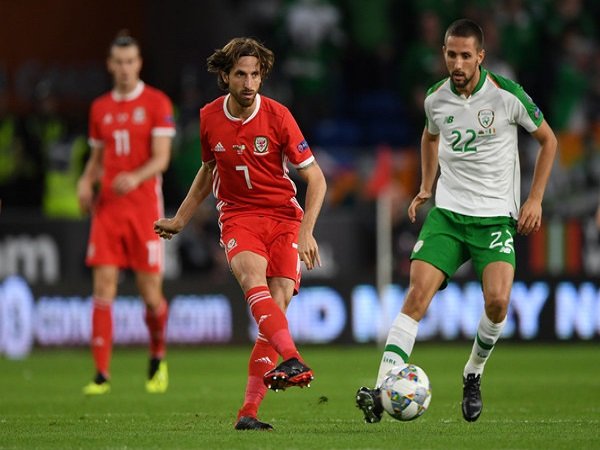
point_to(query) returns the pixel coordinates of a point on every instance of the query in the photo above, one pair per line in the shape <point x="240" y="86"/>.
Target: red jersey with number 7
<point x="124" y="126"/>
<point x="251" y="174"/>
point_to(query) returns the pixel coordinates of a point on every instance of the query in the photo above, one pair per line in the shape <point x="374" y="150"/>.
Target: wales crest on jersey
<point x="261" y="144"/>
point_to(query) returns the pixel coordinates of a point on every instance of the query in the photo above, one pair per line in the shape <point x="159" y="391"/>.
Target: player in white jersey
<point x="472" y="119"/>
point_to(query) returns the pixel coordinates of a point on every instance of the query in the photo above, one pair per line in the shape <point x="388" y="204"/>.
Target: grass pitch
<point x="535" y="397"/>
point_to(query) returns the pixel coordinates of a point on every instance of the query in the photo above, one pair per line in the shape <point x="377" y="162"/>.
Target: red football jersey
<point x="124" y="125"/>
<point x="251" y="175"/>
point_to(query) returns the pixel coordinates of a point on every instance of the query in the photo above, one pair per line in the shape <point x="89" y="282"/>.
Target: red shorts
<point x="124" y="237"/>
<point x="275" y="239"/>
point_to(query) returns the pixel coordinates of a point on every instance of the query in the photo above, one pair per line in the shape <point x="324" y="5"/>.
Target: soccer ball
<point x="405" y="392"/>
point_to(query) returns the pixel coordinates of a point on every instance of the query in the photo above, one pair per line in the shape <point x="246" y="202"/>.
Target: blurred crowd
<point x="354" y="73"/>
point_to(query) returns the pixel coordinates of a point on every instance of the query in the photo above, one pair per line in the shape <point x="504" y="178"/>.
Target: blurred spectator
<point x="519" y="35"/>
<point x="186" y="154"/>
<point x="422" y="65"/>
<point x="563" y="14"/>
<point x="371" y="51"/>
<point x="19" y="168"/>
<point x="446" y="10"/>
<point x="495" y="60"/>
<point x="571" y="80"/>
<point x="63" y="149"/>
<point x="261" y="17"/>
<point x="199" y="247"/>
<point x="313" y="40"/>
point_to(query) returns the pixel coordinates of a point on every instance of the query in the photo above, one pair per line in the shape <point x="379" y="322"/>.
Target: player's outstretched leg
<point x="291" y="372"/>
<point x="369" y="402"/>
<point x="472" y="403"/>
<point x="252" y="423"/>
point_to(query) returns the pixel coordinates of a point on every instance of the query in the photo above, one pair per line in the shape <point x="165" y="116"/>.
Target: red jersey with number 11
<point x="251" y="174"/>
<point x="123" y="125"/>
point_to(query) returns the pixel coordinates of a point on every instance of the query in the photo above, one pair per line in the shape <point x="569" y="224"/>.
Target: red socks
<point x="102" y="332"/>
<point x="262" y="359"/>
<point x="272" y="323"/>
<point x="157" y="326"/>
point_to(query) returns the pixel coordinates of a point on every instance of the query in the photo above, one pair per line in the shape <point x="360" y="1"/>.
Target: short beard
<point x="463" y="84"/>
<point x="243" y="102"/>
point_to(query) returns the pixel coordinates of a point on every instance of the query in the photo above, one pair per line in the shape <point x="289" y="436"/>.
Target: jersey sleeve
<point x="94" y="137"/>
<point x="430" y="125"/>
<point x="521" y="108"/>
<point x="295" y="146"/>
<point x="164" y="121"/>
<point x="206" y="151"/>
<point x="525" y="112"/>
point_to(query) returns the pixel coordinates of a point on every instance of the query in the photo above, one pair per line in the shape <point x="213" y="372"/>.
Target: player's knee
<point x="153" y="302"/>
<point x="496" y="307"/>
<point x="281" y="302"/>
<point x="106" y="293"/>
<point x="416" y="301"/>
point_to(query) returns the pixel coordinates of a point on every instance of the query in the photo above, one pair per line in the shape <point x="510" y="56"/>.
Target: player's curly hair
<point x="222" y="60"/>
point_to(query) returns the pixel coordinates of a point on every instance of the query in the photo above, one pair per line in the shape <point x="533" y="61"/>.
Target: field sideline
<point x="535" y="397"/>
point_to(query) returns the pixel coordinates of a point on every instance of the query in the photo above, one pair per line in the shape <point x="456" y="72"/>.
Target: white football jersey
<point x="478" y="147"/>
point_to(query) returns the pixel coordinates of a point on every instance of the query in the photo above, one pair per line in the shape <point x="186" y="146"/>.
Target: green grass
<point x="536" y="397"/>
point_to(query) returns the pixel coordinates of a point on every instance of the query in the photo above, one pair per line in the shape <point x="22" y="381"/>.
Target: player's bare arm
<point x="91" y="175"/>
<point x="166" y="228"/>
<point x="125" y="182"/>
<point x="315" y="193"/>
<point x="530" y="216"/>
<point x="429" y="168"/>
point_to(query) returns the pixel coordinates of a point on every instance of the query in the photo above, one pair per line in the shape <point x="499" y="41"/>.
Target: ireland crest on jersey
<point x="261" y="144"/>
<point x="485" y="117"/>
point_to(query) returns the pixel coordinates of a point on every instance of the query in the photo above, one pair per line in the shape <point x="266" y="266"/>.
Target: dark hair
<point x="465" y="28"/>
<point x="123" y="39"/>
<point x="222" y="60"/>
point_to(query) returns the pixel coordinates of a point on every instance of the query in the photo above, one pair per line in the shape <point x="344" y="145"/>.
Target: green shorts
<point x="448" y="240"/>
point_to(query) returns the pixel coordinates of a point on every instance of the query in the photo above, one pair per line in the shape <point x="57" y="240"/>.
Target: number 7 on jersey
<point x="246" y="175"/>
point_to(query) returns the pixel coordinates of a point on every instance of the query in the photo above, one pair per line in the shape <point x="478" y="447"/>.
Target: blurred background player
<point x="130" y="134"/>
<point x="247" y="141"/>
<point x="471" y="133"/>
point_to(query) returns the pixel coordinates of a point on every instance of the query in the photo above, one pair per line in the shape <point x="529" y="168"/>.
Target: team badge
<point x="261" y="144"/>
<point x="139" y="115"/>
<point x="485" y="118"/>
<point x="231" y="244"/>
<point x="418" y="246"/>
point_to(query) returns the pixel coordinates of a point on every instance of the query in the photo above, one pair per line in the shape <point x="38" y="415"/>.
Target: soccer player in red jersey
<point x="130" y="134"/>
<point x="248" y="141"/>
